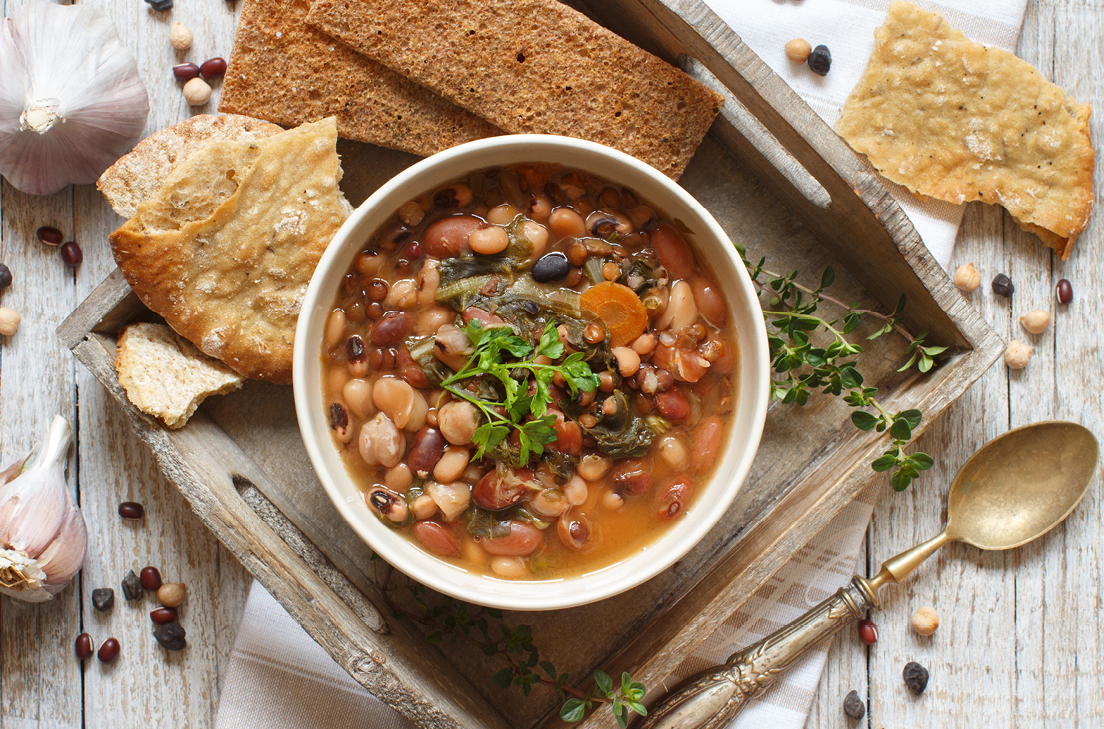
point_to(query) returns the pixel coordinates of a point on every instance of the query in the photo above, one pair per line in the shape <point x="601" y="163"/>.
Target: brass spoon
<point x="1015" y="489"/>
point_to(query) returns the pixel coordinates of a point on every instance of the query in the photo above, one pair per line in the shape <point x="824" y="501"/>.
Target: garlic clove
<point x="63" y="557"/>
<point x="21" y="578"/>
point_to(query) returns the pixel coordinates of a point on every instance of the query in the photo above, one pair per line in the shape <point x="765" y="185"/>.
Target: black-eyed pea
<point x="358" y="396"/>
<point x="489" y="240"/>
<point x="398" y="478"/>
<point x="628" y="361"/>
<point x="429" y="278"/>
<point x="540" y="206"/>
<point x="574" y="530"/>
<point x="452" y="464"/>
<point x="388" y="504"/>
<point x="335" y="328"/>
<point x="339" y="423"/>
<point x="611" y="499"/>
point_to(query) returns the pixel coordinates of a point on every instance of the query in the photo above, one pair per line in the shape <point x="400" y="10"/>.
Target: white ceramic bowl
<point x="714" y="251"/>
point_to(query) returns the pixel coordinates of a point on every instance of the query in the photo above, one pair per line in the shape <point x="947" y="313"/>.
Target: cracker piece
<point x="287" y="72"/>
<point x="225" y="249"/>
<point x="165" y="376"/>
<point x="140" y="173"/>
<point x="951" y="119"/>
<point x="533" y="66"/>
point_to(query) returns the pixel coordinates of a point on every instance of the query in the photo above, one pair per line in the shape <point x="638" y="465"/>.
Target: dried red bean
<point x="163" y="615"/>
<point x="392" y="328"/>
<point x="437" y="538"/>
<point x="868" y="632"/>
<point x="1063" y="292"/>
<point x="131" y="510"/>
<point x="185" y="71"/>
<point x="71" y="254"/>
<point x="109" y="651"/>
<point x="632" y="476"/>
<point x="150" y="578"/>
<point x="213" y="67"/>
<point x="84" y="646"/>
<point x="494" y="493"/>
<point x="673" y="405"/>
<point x="672" y="501"/>
<point x="425" y="451"/>
<point x="412" y="251"/>
<point x="49" y="236"/>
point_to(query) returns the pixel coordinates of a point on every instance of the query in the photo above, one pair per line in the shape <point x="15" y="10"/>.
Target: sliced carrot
<point x="619" y="308"/>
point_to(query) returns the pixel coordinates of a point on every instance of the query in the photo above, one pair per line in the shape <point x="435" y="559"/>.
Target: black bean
<point x="171" y="636"/>
<point x="550" y="267"/>
<point x="163" y="615"/>
<point x="820" y="60"/>
<point x="1063" y="292"/>
<point x="916" y="677"/>
<point x="71" y="254"/>
<point x="49" y="236"/>
<point x="160" y="5"/>
<point x="5" y="276"/>
<point x="132" y="586"/>
<point x="150" y="578"/>
<point x="109" y="651"/>
<point x="853" y="706"/>
<point x="84" y="646"/>
<point x="212" y="68"/>
<point x="103" y="599"/>
<point x="131" y="510"/>
<point x="1002" y="285"/>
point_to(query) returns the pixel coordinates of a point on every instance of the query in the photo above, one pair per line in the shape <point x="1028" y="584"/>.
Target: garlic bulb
<point x="71" y="100"/>
<point x="43" y="538"/>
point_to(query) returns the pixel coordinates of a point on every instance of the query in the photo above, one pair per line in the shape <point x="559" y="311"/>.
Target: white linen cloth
<point x="279" y="678"/>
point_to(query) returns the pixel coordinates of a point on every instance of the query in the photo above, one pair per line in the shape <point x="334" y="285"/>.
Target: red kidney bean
<point x="131" y="510"/>
<point x="392" y="328"/>
<point x="632" y="476"/>
<point x="569" y="436"/>
<point x="437" y="538"/>
<point x="498" y="491"/>
<point x="150" y="577"/>
<point x="672" y="250"/>
<point x="49" y="235"/>
<point x="71" y="254"/>
<point x="523" y="539"/>
<point x="673" y="405"/>
<point x="710" y="300"/>
<point x="573" y="530"/>
<point x="707" y="443"/>
<point x="212" y="68"/>
<point x="84" y="646"/>
<point x="426" y="450"/>
<point x="109" y="651"/>
<point x="163" y="615"/>
<point x="185" y="71"/>
<point x="868" y="632"/>
<point x="448" y="236"/>
<point x="672" y="500"/>
<point x="410" y="370"/>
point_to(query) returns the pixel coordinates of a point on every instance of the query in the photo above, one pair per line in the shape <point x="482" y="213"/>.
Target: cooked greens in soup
<point x="529" y="371"/>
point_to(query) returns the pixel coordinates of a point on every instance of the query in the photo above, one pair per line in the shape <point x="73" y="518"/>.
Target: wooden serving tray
<point x="780" y="182"/>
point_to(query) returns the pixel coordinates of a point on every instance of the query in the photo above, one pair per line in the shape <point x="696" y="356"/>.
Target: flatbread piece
<point x="225" y="249"/>
<point x="951" y="119"/>
<point x="287" y="72"/>
<point x="533" y="66"/>
<point x="141" y="172"/>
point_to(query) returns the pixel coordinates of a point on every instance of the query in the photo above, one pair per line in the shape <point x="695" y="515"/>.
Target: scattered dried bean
<point x="1063" y="292"/>
<point x="916" y="677"/>
<point x="185" y="71"/>
<point x="1002" y="285"/>
<point x="131" y="510"/>
<point x="820" y="60"/>
<point x="71" y="254"/>
<point x="132" y="586"/>
<point x="109" y="651"/>
<point x="171" y="636"/>
<point x="163" y="615"/>
<point x="5" y="276"/>
<point x="150" y="578"/>
<point x="868" y="632"/>
<point x="853" y="706"/>
<point x="171" y="594"/>
<point x="84" y="646"/>
<point x="50" y="236"/>
<point x="103" y="599"/>
<point x="798" y="50"/>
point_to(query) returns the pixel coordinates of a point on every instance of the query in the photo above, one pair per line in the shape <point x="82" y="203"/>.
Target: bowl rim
<point x="584" y="587"/>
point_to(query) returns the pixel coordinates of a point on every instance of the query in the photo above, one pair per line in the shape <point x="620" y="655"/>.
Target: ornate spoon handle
<point x="711" y="699"/>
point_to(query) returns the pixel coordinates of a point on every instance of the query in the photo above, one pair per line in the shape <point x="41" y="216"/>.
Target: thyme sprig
<point x="509" y="359"/>
<point x="452" y="620"/>
<point x="803" y="366"/>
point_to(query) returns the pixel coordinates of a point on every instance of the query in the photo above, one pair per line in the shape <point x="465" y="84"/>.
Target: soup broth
<point x="528" y="372"/>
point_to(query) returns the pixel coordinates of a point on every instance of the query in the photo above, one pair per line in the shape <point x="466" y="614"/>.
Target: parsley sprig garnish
<point x="509" y="359"/>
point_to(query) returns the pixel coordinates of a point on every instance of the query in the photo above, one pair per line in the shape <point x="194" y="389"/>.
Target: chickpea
<point x="503" y="214"/>
<point x="592" y="467"/>
<point x="537" y="235"/>
<point x="576" y="491"/>
<point x="457" y="421"/>
<point x="398" y="478"/>
<point x="566" y="222"/>
<point x="489" y="241"/>
<point x="358" y="396"/>
<point x="335" y="328"/>
<point x="451" y="465"/>
<point x="197" y="92"/>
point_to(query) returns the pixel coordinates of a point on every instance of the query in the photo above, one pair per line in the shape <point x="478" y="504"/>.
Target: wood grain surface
<point x="1020" y="640"/>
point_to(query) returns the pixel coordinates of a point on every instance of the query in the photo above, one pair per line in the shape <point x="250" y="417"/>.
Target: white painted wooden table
<point x="1020" y="642"/>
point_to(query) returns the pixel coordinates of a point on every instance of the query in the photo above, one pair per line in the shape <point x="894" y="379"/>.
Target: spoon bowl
<point x="1021" y="485"/>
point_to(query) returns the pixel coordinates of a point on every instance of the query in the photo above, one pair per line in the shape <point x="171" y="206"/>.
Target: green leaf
<point x="900" y="480"/>
<point x="626" y="682"/>
<point x="900" y="429"/>
<point x="503" y="678"/>
<point x="618" y="708"/>
<point x="548" y="669"/>
<point x="926" y="363"/>
<point x="603" y="682"/>
<point x="933" y="351"/>
<point x="573" y="710"/>
<point x="884" y="463"/>
<point x="912" y="417"/>
<point x="827" y="277"/>
<point x="490" y="649"/>
<point x="863" y="420"/>
<point x="908" y="364"/>
<point x="550" y="344"/>
<point x="637" y="707"/>
<point x="922" y="461"/>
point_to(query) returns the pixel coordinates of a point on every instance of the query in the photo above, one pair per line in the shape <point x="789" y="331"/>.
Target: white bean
<point x="457" y="421"/>
<point x="403" y="294"/>
<point x="424" y="507"/>
<point x="673" y="452"/>
<point x="592" y="467"/>
<point x="451" y="465"/>
<point x="335" y="328"/>
<point x="509" y="567"/>
<point x="576" y="491"/>
<point x="503" y="214"/>
<point x="381" y="443"/>
<point x="358" y="396"/>
<point x="681" y="310"/>
<point x="398" y="478"/>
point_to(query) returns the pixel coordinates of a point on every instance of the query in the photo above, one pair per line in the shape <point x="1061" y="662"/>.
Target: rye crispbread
<point x="141" y="172"/>
<point x="533" y="66"/>
<point x="286" y="72"/>
<point x="225" y="249"/>
<point x="951" y="119"/>
<point x="165" y="376"/>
